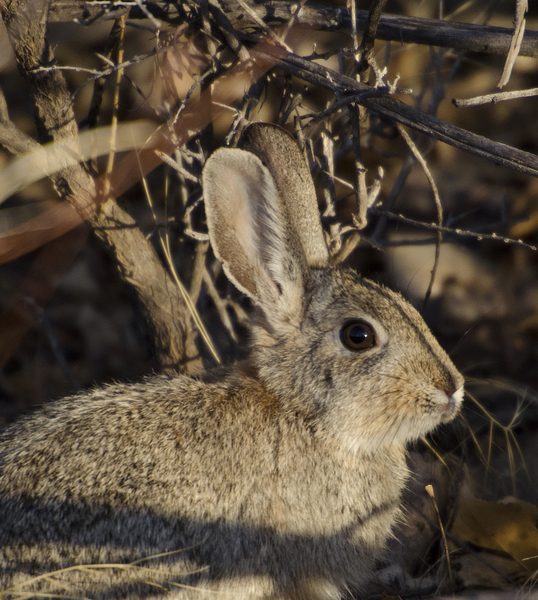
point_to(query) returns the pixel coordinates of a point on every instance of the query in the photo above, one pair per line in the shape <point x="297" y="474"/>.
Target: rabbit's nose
<point x="458" y="395"/>
<point x="449" y="403"/>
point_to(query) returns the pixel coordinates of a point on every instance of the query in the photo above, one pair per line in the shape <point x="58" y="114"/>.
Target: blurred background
<point x="484" y="298"/>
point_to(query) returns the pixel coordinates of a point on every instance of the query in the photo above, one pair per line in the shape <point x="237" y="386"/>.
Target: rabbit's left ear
<point x="251" y="233"/>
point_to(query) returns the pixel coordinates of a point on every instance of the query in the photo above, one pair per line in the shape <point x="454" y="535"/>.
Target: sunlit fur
<point x="279" y="478"/>
<point x="365" y="400"/>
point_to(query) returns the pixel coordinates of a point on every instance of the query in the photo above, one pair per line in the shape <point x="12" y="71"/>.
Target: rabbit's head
<point x="354" y="357"/>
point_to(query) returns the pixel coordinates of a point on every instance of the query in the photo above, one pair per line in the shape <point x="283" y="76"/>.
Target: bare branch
<point x="138" y="263"/>
<point x="393" y="109"/>
<point x="515" y="46"/>
<point x="228" y="31"/>
<point x="494" y="98"/>
<point x="420" y="159"/>
<point x="368" y="39"/>
<point x="12" y="138"/>
<point x="406" y="30"/>
<point x="451" y="231"/>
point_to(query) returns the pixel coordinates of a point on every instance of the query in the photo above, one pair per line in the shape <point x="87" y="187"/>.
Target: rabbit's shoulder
<point x="148" y="402"/>
<point x="150" y="423"/>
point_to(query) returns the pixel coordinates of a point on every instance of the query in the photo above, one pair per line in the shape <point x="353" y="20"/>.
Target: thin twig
<point x="198" y="269"/>
<point x="228" y="31"/>
<point x="393" y="195"/>
<point x="268" y="31"/>
<point x="141" y="5"/>
<point x="220" y="305"/>
<point x="250" y="100"/>
<point x="457" y="232"/>
<point x="177" y="167"/>
<point x="366" y="48"/>
<point x="112" y="69"/>
<point x="115" y="108"/>
<point x="165" y="245"/>
<point x="327" y="173"/>
<point x="418" y="156"/>
<point x="494" y="98"/>
<point x="515" y="44"/>
<point x="361" y="192"/>
<point x="359" y="117"/>
<point x="431" y="494"/>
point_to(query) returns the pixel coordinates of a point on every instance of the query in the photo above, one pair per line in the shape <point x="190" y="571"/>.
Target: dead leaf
<point x="507" y="526"/>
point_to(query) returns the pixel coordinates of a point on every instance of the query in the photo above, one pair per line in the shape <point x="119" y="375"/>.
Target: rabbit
<point x="277" y="478"/>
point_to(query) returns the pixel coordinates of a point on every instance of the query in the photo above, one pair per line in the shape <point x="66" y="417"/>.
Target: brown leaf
<point x="507" y="526"/>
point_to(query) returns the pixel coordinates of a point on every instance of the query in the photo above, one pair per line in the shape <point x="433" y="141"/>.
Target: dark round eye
<point x="357" y="335"/>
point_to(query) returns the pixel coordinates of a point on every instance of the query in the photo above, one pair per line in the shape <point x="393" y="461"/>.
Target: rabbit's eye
<point x="357" y="335"/>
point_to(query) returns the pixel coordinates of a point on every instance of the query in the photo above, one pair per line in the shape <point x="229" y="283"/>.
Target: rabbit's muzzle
<point x="448" y="405"/>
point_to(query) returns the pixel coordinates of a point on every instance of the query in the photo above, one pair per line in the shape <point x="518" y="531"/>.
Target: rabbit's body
<point x="280" y="478"/>
<point x="274" y="488"/>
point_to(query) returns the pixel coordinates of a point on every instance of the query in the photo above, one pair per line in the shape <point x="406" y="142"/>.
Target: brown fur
<point x="279" y="478"/>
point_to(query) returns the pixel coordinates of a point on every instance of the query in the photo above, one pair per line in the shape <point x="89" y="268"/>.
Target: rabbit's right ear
<point x="281" y="154"/>
<point x="251" y="233"/>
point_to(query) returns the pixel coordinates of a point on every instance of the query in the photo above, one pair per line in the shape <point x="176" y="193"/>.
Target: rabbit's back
<point x="279" y="480"/>
<point x="214" y="474"/>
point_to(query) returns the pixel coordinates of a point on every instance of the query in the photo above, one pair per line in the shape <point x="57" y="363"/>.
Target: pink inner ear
<point x="251" y="232"/>
<point x="238" y="213"/>
<point x="237" y="189"/>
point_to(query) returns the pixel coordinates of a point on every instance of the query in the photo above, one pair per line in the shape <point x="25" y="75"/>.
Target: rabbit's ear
<point x="281" y="154"/>
<point x="250" y="231"/>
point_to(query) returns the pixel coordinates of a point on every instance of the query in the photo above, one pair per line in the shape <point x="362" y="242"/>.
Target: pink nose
<point x="449" y="403"/>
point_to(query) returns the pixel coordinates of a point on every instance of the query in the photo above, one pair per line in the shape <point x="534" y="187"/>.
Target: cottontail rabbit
<point x="278" y="478"/>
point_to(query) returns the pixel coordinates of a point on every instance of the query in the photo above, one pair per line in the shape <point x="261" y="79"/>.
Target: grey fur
<point x="279" y="478"/>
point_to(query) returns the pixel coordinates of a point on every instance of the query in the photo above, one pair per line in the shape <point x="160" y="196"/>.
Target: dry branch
<point x="517" y="38"/>
<point x="14" y="140"/>
<point x="157" y="297"/>
<point x="394" y="110"/>
<point x="494" y="98"/>
<point x="404" y="30"/>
